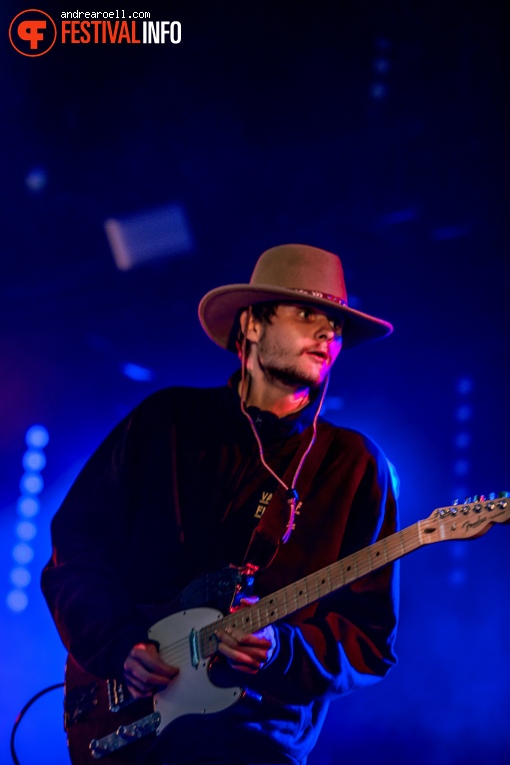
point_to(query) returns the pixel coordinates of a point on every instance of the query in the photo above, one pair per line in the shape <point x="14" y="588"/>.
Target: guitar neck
<point x="318" y="585"/>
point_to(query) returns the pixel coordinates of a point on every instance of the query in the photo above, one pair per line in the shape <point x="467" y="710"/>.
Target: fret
<point x="201" y="642"/>
<point x="416" y="531"/>
<point x="286" y="609"/>
<point x="233" y="620"/>
<point x="351" y="575"/>
<point x="385" y="548"/>
<point x="207" y="640"/>
<point x="412" y="538"/>
<point x="330" y="586"/>
<point x="339" y="567"/>
<point x="298" y="593"/>
<point x="368" y="561"/>
<point x="321" y="583"/>
<point x="375" y="554"/>
<point x="312" y="588"/>
<point x="246" y="620"/>
<point x="254" y="622"/>
<point x="271" y="607"/>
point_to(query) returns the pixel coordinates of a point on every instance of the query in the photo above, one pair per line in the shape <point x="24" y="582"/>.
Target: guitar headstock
<point x="466" y="520"/>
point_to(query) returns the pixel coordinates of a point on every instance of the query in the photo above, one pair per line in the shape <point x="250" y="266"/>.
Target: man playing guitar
<point x="201" y="492"/>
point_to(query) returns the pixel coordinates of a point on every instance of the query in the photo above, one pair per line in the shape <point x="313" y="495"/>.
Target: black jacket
<point x="173" y="492"/>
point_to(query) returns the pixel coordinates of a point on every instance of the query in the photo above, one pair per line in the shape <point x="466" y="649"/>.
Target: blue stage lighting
<point x="464" y="413"/>
<point x="20" y="577"/>
<point x="458" y="577"/>
<point x="381" y="65"/>
<point x="31" y="483"/>
<point x="462" y="440"/>
<point x="34" y="460"/>
<point x="449" y="232"/>
<point x="136" y="372"/>
<point x="22" y="553"/>
<point x="26" y="530"/>
<point x="458" y="550"/>
<point x="461" y="467"/>
<point x="465" y="385"/>
<point x="37" y="436"/>
<point x="36" y="179"/>
<point x="28" y="506"/>
<point x="17" y="600"/>
<point x="378" y="91"/>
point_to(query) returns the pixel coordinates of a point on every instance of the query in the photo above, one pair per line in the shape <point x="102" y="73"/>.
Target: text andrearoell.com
<point x="105" y="15"/>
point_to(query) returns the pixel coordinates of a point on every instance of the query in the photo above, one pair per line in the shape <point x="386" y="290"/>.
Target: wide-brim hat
<point x="289" y="273"/>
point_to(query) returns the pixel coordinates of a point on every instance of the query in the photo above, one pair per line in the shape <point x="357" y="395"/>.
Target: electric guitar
<point x="104" y="723"/>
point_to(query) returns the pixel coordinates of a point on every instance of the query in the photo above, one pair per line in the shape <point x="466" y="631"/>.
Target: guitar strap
<point x="267" y="535"/>
<point x="222" y="588"/>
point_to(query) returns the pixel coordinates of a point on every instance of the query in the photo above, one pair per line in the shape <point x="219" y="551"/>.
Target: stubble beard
<point x="277" y="368"/>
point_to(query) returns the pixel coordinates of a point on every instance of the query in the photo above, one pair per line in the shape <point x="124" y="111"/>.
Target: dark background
<point x="374" y="129"/>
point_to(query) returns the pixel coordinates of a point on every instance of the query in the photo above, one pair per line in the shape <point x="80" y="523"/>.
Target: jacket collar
<point x="269" y="426"/>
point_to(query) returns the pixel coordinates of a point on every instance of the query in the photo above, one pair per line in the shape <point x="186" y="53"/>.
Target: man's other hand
<point x="247" y="653"/>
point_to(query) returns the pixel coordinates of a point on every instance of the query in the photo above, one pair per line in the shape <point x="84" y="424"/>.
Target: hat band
<point x="321" y="295"/>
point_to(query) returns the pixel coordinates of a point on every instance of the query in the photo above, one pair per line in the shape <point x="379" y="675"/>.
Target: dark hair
<point x="263" y="312"/>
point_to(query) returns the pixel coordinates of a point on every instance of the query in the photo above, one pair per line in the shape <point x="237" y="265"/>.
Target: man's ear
<point x="250" y="326"/>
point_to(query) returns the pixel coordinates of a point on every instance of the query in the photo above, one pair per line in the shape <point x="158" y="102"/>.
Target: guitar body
<point x="92" y="718"/>
<point x="104" y="724"/>
<point x="191" y="692"/>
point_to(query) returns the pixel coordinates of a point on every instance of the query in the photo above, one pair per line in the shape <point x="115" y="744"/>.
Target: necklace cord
<point x="290" y="491"/>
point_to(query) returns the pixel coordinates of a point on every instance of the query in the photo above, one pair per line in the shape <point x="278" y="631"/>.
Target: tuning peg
<point x="482" y="497"/>
<point x="455" y="502"/>
<point x="475" y="498"/>
<point x="503" y="494"/>
<point x="467" y="500"/>
<point x="492" y="496"/>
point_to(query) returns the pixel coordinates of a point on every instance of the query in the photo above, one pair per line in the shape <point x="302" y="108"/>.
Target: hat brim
<point x="219" y="309"/>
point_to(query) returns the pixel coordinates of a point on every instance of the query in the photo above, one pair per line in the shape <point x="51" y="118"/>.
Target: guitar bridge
<point x="124" y="735"/>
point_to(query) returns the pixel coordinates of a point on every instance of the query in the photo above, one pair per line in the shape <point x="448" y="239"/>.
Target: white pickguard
<point x="191" y="691"/>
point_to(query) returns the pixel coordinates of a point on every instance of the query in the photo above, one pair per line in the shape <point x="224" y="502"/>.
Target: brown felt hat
<point x="289" y="273"/>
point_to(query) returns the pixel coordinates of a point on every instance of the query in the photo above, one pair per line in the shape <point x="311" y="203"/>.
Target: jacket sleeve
<point x="346" y="641"/>
<point x="94" y="614"/>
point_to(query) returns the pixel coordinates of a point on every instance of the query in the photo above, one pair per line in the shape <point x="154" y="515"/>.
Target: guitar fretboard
<point x="313" y="587"/>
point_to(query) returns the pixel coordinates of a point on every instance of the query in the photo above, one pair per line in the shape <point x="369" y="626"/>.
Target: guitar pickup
<point x="118" y="697"/>
<point x="125" y="734"/>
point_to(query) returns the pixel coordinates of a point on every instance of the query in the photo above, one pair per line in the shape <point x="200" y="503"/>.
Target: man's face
<point x="298" y="346"/>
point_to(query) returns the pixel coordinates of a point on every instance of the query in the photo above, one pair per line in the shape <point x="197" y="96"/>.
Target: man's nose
<point x="324" y="329"/>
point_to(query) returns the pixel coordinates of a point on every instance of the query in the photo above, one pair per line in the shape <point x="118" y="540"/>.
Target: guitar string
<point x="394" y="548"/>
